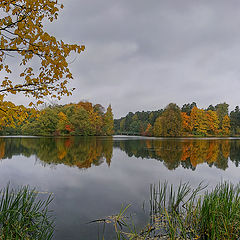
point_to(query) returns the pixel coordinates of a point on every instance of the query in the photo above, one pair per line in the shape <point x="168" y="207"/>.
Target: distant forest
<point x="174" y="121"/>
<point x="81" y="119"/>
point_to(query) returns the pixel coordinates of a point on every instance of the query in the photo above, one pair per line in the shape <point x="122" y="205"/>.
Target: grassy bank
<point x="185" y="213"/>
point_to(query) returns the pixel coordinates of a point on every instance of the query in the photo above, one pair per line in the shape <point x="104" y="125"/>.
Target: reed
<point x="186" y="213"/>
<point x="23" y="215"/>
<point x="219" y="215"/>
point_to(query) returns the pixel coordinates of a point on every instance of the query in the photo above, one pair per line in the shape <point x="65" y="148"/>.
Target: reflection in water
<point x="101" y="191"/>
<point x="187" y="153"/>
<point x="85" y="152"/>
<point x="73" y="151"/>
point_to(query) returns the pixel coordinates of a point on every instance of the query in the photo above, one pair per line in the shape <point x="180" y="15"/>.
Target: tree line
<point x="82" y="119"/>
<point x="174" y="121"/>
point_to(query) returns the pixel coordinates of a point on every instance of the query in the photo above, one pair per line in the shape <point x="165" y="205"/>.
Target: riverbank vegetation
<point x="82" y="119"/>
<point x="24" y="215"/>
<point x="185" y="213"/>
<point x="174" y="121"/>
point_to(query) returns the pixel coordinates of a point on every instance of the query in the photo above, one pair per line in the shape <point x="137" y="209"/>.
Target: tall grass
<point x="186" y="213"/>
<point x="24" y="216"/>
<point x="219" y="214"/>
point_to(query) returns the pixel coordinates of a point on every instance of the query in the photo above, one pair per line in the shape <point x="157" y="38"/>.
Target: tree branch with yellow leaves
<point x="22" y="35"/>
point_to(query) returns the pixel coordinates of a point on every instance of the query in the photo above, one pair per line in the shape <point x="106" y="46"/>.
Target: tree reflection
<point x="85" y="152"/>
<point x="187" y="153"/>
<point x="73" y="151"/>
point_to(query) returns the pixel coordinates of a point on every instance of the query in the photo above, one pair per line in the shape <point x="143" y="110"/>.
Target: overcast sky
<point x="144" y="54"/>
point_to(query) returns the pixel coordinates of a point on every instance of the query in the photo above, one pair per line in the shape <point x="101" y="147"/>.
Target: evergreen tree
<point x="235" y="121"/>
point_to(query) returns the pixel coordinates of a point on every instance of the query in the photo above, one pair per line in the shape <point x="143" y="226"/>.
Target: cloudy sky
<point x="144" y="54"/>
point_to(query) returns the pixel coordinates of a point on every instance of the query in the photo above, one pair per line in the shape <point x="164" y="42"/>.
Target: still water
<point x="92" y="177"/>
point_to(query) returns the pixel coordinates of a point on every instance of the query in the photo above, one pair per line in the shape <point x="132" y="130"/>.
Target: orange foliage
<point x="148" y="131"/>
<point x="86" y="105"/>
<point x="226" y="148"/>
<point x="203" y="151"/>
<point x="68" y="142"/>
<point x="186" y="122"/>
<point x="69" y="128"/>
<point x="148" y="144"/>
<point x="2" y="149"/>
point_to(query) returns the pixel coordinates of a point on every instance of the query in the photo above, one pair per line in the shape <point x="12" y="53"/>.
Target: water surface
<point x="92" y="177"/>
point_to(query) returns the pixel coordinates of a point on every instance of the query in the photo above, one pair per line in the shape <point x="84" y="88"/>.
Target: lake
<point x="93" y="177"/>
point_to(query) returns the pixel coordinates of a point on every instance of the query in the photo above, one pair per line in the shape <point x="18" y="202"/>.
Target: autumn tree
<point x="80" y="120"/>
<point x="186" y="122"/>
<point x="63" y="125"/>
<point x="45" y="125"/>
<point x="157" y="128"/>
<point x="96" y="121"/>
<point x="187" y="108"/>
<point x="148" y="131"/>
<point x="86" y="105"/>
<point x="108" y="123"/>
<point x="222" y="111"/>
<point x="198" y="121"/>
<point x="143" y="127"/>
<point x="172" y="121"/>
<point x="226" y="125"/>
<point x="69" y="119"/>
<point x="43" y="66"/>
<point x="11" y="114"/>
<point x="212" y="122"/>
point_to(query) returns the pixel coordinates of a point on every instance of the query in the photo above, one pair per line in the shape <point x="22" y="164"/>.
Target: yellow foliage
<point x="186" y="122"/>
<point x="157" y="128"/>
<point x="212" y="121"/>
<point x="226" y="125"/>
<point x="11" y="114"/>
<point x="62" y="116"/>
<point x="22" y="34"/>
<point x="198" y="121"/>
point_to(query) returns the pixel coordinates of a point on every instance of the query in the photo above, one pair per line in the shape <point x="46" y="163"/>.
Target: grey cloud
<point x="141" y="55"/>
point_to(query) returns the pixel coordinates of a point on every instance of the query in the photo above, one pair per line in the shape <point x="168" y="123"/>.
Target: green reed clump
<point x="24" y="216"/>
<point x="174" y="212"/>
<point x="186" y="213"/>
<point x="219" y="213"/>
